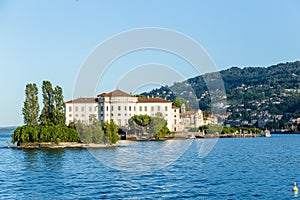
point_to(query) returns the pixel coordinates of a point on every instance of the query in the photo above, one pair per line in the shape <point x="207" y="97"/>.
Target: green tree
<point x="98" y="133"/>
<point x="31" y="105"/>
<point x="46" y="117"/>
<point x="59" y="106"/>
<point x="158" y="127"/>
<point x="178" y="101"/>
<point x="111" y="132"/>
<point x="154" y="126"/>
<point x="142" y="120"/>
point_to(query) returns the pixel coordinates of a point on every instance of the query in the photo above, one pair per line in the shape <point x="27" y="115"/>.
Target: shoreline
<point x="61" y="145"/>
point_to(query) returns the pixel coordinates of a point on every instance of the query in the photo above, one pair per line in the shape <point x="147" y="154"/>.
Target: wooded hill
<point x="274" y="89"/>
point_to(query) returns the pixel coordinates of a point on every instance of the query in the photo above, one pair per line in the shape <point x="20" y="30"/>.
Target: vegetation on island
<point x="50" y="126"/>
<point x="151" y="127"/>
<point x="212" y="129"/>
<point x="97" y="133"/>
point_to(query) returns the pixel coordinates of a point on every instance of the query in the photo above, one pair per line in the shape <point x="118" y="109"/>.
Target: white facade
<point x="83" y="109"/>
<point x="119" y="107"/>
<point x="191" y="119"/>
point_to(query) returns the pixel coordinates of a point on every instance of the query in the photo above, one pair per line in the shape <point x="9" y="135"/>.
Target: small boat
<point x="267" y="133"/>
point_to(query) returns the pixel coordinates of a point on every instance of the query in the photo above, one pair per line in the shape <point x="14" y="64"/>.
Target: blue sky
<point x="49" y="40"/>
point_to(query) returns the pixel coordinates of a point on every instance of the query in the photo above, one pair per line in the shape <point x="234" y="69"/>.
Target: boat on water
<point x="267" y="133"/>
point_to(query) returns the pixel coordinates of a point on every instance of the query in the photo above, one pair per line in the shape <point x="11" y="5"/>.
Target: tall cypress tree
<point x="31" y="105"/>
<point x="59" y="106"/>
<point x="46" y="117"/>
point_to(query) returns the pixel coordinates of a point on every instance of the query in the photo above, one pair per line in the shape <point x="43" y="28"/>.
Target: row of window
<point x="82" y="108"/>
<point x="141" y="108"/>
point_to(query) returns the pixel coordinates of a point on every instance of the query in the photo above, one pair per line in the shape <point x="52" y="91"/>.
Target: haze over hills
<point x="269" y="94"/>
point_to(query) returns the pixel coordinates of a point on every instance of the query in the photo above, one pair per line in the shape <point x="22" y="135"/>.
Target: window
<point x="152" y="108"/>
<point x="175" y="116"/>
<point x="141" y="108"/>
<point x="82" y="109"/>
<point x="119" y="114"/>
<point x="125" y="108"/>
<point x="90" y="108"/>
<point x="112" y="108"/>
<point x="106" y="108"/>
<point x="133" y="108"/>
<point x="175" y="121"/>
<point x="76" y="115"/>
<point x="101" y="108"/>
<point x="145" y="108"/>
<point x="119" y="108"/>
<point x="158" y="108"/>
<point x="70" y="109"/>
<point x="166" y="108"/>
<point x="76" y="109"/>
<point x="70" y="115"/>
<point x="129" y="108"/>
<point x="174" y="110"/>
<point x="96" y="108"/>
<point x="82" y="115"/>
<point x="112" y="114"/>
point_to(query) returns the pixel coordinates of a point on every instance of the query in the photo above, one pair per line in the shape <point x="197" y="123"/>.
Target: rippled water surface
<point x="250" y="168"/>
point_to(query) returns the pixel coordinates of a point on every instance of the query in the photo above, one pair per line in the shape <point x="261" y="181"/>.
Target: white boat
<point x="267" y="133"/>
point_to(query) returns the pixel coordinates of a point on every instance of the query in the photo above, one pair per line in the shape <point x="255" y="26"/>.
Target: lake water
<point x="242" y="168"/>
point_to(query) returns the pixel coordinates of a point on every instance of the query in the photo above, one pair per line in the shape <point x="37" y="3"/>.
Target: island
<point x="48" y="129"/>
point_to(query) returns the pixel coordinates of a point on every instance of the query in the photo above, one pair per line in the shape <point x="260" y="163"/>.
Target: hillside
<point x="253" y="93"/>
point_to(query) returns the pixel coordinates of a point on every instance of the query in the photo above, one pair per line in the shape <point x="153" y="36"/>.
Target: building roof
<point x="115" y="93"/>
<point x="83" y="100"/>
<point x="188" y="113"/>
<point x="152" y="100"/>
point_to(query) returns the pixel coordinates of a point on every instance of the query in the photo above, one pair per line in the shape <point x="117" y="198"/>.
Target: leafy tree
<point x="98" y="133"/>
<point x="142" y="120"/>
<point x="111" y="132"/>
<point x="152" y="126"/>
<point x="46" y="117"/>
<point x="36" y="133"/>
<point x="31" y="105"/>
<point x="178" y="101"/>
<point x="59" y="106"/>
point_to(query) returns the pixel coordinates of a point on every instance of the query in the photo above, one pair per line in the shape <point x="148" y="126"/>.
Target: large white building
<point x="119" y="107"/>
<point x="83" y="109"/>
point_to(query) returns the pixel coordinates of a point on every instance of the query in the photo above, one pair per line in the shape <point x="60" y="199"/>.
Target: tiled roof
<point x="115" y="93"/>
<point x="83" y="100"/>
<point x="188" y="113"/>
<point x="152" y="100"/>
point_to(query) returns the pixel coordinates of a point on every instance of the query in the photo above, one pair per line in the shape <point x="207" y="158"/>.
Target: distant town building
<point x="191" y="118"/>
<point x="83" y="109"/>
